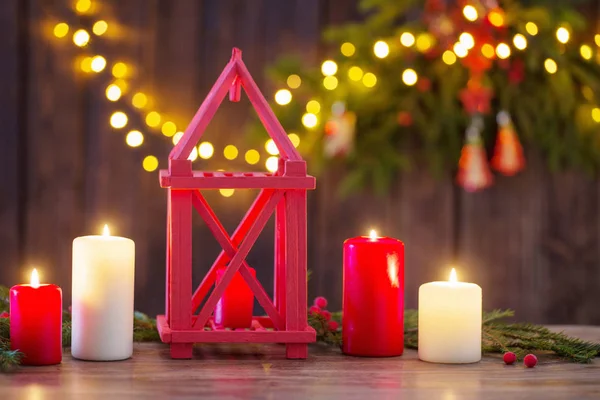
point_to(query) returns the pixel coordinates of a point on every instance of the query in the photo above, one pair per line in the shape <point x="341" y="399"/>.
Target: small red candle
<point x="234" y="309"/>
<point x="36" y="322"/>
<point x="373" y="301"/>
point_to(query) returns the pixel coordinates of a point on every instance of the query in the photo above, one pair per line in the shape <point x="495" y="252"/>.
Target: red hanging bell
<point x="508" y="156"/>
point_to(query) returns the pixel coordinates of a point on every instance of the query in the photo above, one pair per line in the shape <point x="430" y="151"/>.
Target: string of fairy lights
<point x="119" y="89"/>
<point x="422" y="42"/>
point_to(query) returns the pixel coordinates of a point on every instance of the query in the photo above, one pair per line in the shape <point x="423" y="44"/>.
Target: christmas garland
<point x="498" y="336"/>
<point x="437" y="82"/>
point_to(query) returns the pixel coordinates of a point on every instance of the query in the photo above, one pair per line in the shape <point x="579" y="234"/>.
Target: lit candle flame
<point x="453" y="278"/>
<point x="35" y="279"/>
<point x="105" y="231"/>
<point x="373" y="234"/>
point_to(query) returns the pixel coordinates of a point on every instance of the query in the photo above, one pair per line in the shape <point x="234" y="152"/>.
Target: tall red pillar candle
<point x="36" y="322"/>
<point x="373" y="300"/>
<point x="234" y="309"/>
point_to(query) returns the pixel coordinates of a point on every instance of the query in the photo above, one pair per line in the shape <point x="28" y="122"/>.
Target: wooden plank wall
<point x="530" y="241"/>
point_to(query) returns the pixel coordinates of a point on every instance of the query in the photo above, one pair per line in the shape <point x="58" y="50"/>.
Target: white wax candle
<point x="102" y="306"/>
<point x="450" y="322"/>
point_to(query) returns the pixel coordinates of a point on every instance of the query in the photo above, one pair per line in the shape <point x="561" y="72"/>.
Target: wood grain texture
<point x="254" y="371"/>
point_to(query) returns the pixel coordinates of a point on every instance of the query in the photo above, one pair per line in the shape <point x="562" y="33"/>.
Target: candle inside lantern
<point x="450" y="321"/>
<point x="36" y="322"/>
<point x="373" y="299"/>
<point x="103" y="288"/>
<point x="234" y="309"/>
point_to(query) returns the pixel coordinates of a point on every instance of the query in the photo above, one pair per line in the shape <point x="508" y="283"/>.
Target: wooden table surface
<point x="261" y="372"/>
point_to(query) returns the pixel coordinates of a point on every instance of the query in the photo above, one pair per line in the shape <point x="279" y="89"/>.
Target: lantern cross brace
<point x="231" y="250"/>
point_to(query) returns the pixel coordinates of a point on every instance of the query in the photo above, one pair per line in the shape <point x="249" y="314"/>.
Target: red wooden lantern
<point x="283" y="192"/>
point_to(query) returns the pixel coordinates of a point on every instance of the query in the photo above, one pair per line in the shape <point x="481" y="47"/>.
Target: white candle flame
<point x="373" y="234"/>
<point x="105" y="231"/>
<point x="35" y="279"/>
<point x="453" y="278"/>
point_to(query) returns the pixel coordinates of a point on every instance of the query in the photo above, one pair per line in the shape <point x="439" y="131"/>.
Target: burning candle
<point x="234" y="309"/>
<point x="36" y="322"/>
<point x="373" y="300"/>
<point x="450" y="321"/>
<point x="102" y="310"/>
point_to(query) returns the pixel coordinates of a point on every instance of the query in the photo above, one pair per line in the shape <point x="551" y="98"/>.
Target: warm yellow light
<point x="121" y="83"/>
<point x="252" y="156"/>
<point x="83" y="6"/>
<point x="81" y="37"/>
<point x="295" y="139"/>
<point x="150" y="163"/>
<point x="272" y="163"/>
<point x="230" y="152"/>
<point x="369" y="80"/>
<point x="550" y="66"/>
<point x="488" y="50"/>
<point x="118" y="120"/>
<point x="467" y="40"/>
<point x="153" y="119"/>
<point x="424" y="42"/>
<point x="119" y="70"/>
<point x="61" y="29"/>
<point x="381" y="49"/>
<point x="330" y="82"/>
<point x="313" y="106"/>
<point x="562" y="34"/>
<point x="348" y="49"/>
<point x="169" y="128"/>
<point x="177" y="137"/>
<point x="98" y="63"/>
<point x="531" y="28"/>
<point x="86" y="64"/>
<point x="309" y="120"/>
<point x="496" y="18"/>
<point x="100" y="28"/>
<point x="294" y="81"/>
<point x="355" y="73"/>
<point x="373" y="234"/>
<point x="470" y="13"/>
<point x="409" y="77"/>
<point x="586" y="52"/>
<point x="193" y="154"/>
<point x="283" y="97"/>
<point x="520" y="41"/>
<point x="329" y="68"/>
<point x="587" y="93"/>
<point x="460" y="50"/>
<point x="596" y="114"/>
<point x="35" y="279"/>
<point x="227" y="192"/>
<point x="134" y="139"/>
<point x="453" y="278"/>
<point x="139" y="100"/>
<point x="113" y="92"/>
<point x="271" y="147"/>
<point x="206" y="150"/>
<point x="503" y="51"/>
<point x="449" y="57"/>
<point x="407" y="39"/>
<point x="597" y="39"/>
<point x="105" y="230"/>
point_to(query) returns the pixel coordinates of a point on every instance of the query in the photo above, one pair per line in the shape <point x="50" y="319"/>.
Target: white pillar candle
<point x="450" y="322"/>
<point x="102" y="306"/>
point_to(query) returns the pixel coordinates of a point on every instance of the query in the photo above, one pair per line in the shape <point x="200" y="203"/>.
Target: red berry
<point x="321" y="302"/>
<point x="314" y="310"/>
<point x="509" y="358"/>
<point x="530" y="361"/>
<point x="333" y="326"/>
<point x="4" y="314"/>
<point x="326" y="314"/>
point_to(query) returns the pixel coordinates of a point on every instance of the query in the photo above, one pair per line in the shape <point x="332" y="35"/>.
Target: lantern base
<point x="262" y="331"/>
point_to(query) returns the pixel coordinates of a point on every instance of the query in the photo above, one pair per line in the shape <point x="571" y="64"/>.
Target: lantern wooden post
<point x="282" y="193"/>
